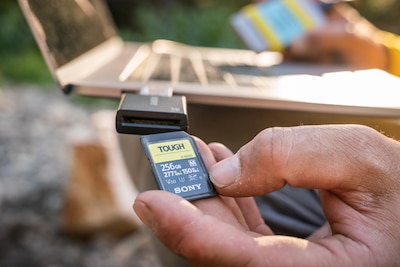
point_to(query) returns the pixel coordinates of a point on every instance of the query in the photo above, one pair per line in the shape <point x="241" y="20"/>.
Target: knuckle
<point x="270" y="154"/>
<point x="279" y="150"/>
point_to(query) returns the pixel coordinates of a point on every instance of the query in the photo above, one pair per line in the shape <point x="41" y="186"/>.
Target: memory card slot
<point x="130" y="121"/>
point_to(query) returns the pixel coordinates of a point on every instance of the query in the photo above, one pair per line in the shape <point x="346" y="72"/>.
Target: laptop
<point x="86" y="56"/>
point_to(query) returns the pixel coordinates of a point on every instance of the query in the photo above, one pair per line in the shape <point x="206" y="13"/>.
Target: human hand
<point x="214" y="214"/>
<point x="347" y="38"/>
<point x="356" y="170"/>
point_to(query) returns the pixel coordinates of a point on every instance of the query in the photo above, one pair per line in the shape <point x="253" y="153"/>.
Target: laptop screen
<point x="70" y="28"/>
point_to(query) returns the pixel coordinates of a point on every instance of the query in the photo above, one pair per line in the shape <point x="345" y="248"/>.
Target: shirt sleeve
<point x="392" y="43"/>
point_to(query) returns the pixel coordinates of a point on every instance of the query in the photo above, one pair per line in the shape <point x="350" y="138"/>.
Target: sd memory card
<point x="177" y="165"/>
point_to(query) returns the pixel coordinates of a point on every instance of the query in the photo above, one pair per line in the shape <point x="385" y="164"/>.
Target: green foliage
<point x="382" y="13"/>
<point x="20" y="58"/>
<point x="25" y="65"/>
<point x="14" y="34"/>
<point x="195" y="26"/>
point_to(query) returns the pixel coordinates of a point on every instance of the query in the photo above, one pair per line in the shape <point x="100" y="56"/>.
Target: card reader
<point x="149" y="114"/>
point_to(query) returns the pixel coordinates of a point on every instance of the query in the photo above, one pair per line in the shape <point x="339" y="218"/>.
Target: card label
<point x="177" y="166"/>
<point x="172" y="150"/>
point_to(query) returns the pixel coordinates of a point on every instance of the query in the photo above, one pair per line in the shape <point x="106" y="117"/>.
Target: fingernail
<point x="143" y="212"/>
<point x="225" y="172"/>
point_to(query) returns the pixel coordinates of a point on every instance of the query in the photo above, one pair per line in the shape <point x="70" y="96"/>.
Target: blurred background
<point x="196" y="22"/>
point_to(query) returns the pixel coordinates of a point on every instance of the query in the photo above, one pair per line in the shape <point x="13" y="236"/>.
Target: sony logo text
<point x="184" y="189"/>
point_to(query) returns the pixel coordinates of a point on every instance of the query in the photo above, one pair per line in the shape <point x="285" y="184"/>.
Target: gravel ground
<point x="35" y="126"/>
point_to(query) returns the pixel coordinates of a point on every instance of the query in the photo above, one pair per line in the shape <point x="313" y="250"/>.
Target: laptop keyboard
<point x="170" y="61"/>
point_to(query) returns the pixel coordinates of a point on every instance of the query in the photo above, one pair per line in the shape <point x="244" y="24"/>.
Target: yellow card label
<point x="171" y="150"/>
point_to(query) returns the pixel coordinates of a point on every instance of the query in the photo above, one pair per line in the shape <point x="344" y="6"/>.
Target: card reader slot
<point x="129" y="121"/>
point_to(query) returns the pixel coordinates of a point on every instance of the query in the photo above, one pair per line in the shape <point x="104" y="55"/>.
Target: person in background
<point x="348" y="38"/>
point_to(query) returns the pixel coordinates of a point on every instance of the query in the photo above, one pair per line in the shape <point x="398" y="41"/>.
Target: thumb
<point x="330" y="157"/>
